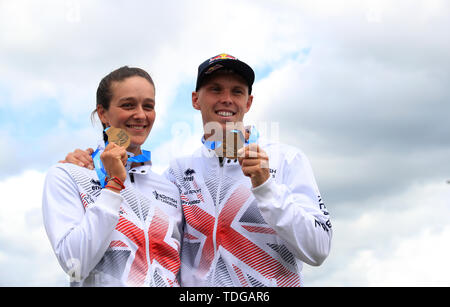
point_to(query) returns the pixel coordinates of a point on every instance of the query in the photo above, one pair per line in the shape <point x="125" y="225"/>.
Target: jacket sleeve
<point x="292" y="206"/>
<point x="79" y="236"/>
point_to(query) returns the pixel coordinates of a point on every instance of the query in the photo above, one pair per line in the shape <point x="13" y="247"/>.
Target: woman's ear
<point x="103" y="115"/>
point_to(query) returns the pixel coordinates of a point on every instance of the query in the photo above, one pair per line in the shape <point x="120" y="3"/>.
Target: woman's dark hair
<point x="104" y="92"/>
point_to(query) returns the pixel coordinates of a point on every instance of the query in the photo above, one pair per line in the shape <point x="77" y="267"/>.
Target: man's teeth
<point x="223" y="113"/>
<point x="136" y="127"/>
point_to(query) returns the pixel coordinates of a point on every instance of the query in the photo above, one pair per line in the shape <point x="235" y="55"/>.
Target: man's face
<point x="222" y="99"/>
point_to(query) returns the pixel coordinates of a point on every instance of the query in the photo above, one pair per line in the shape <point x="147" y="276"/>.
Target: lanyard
<point x="98" y="165"/>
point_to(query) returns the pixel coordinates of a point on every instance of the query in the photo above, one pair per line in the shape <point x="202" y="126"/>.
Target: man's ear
<point x="249" y="103"/>
<point x="102" y="114"/>
<point x="195" y="103"/>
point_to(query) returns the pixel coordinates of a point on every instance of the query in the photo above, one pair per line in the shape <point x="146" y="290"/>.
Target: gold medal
<point x="233" y="142"/>
<point x="118" y="136"/>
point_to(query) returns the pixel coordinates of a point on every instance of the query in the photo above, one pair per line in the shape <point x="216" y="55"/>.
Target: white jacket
<point x="102" y="238"/>
<point x="239" y="236"/>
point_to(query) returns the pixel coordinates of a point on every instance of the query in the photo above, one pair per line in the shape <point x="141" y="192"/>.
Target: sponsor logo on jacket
<point x="189" y="174"/>
<point x="96" y="185"/>
<point x="165" y="199"/>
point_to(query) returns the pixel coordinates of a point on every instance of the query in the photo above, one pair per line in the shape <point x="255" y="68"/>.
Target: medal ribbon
<point x="98" y="165"/>
<point x="253" y="138"/>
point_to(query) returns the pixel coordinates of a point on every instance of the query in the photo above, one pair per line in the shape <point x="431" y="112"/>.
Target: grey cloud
<point x="376" y="118"/>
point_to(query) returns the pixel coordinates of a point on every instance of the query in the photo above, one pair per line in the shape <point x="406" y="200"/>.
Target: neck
<point x="136" y="150"/>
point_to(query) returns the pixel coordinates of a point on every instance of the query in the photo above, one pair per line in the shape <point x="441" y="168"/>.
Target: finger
<point x="246" y="152"/>
<point x="110" y="147"/>
<point x="249" y="162"/>
<point x="74" y="159"/>
<point x="119" y="153"/>
<point x="250" y="170"/>
<point x="250" y="151"/>
<point x="90" y="151"/>
<point x="261" y="162"/>
<point x="83" y="158"/>
<point x="124" y="157"/>
<point x="253" y="147"/>
<point x="252" y="155"/>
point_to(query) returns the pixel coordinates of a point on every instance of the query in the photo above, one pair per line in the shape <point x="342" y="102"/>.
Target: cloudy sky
<point x="360" y="86"/>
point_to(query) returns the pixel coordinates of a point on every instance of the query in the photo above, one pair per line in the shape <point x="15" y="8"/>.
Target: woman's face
<point x="132" y="108"/>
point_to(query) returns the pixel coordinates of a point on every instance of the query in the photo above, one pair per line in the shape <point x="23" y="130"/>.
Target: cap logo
<point x="222" y="56"/>
<point x="213" y="69"/>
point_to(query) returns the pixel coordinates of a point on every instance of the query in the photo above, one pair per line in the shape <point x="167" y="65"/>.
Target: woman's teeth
<point x="136" y="127"/>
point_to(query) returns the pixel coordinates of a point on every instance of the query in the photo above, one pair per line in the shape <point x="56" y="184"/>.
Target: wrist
<point x="114" y="184"/>
<point x="259" y="180"/>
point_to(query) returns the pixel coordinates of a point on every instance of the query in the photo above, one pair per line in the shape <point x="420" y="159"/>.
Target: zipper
<point x="216" y="217"/>
<point x="146" y="238"/>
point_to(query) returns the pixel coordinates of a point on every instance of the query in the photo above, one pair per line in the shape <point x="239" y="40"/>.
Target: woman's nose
<point x="140" y="113"/>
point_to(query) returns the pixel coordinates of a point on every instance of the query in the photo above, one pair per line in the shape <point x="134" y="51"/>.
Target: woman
<point x="125" y="230"/>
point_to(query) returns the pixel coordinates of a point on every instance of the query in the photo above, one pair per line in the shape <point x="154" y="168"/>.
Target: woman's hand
<point x="114" y="159"/>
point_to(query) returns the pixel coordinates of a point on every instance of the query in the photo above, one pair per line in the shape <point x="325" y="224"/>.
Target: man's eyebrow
<point x="151" y="100"/>
<point x="212" y="84"/>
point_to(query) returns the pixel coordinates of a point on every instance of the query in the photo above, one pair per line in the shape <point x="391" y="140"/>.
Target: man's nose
<point x="226" y="97"/>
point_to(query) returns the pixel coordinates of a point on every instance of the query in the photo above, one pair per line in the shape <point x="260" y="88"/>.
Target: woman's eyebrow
<point x="127" y="99"/>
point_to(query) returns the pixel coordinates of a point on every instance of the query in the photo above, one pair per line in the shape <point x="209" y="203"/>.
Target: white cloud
<point x="367" y="105"/>
<point x="397" y="241"/>
<point x="26" y="256"/>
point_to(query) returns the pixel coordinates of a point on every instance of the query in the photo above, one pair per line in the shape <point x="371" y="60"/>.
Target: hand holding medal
<point x="253" y="160"/>
<point x="114" y="157"/>
<point x="233" y="141"/>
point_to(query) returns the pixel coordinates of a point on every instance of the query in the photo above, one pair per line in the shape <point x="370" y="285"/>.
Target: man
<point x="244" y="226"/>
<point x="253" y="217"/>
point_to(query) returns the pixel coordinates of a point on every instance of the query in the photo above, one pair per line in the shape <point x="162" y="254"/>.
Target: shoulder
<point x="284" y="152"/>
<point x="67" y="173"/>
<point x="64" y="170"/>
<point x="187" y="160"/>
<point x="161" y="182"/>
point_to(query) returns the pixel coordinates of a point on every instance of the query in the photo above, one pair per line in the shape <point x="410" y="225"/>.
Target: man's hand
<point x="80" y="157"/>
<point x="255" y="164"/>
